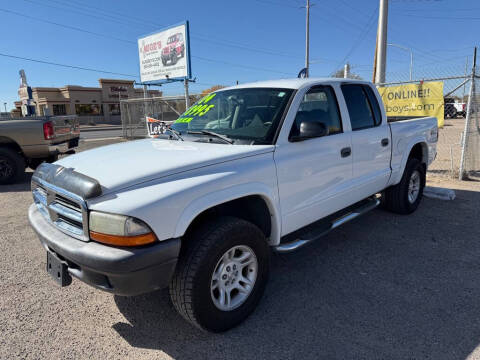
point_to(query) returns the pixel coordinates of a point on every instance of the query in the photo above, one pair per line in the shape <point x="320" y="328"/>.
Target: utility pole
<point x="5" y="104"/>
<point x="346" y="70"/>
<point x="187" y="97"/>
<point x="307" y="41"/>
<point x="381" y="55"/>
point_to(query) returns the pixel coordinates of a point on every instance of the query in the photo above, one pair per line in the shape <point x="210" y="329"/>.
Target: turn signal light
<point x="118" y="240"/>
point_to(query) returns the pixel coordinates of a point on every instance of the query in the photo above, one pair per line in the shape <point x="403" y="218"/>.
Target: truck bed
<point x="405" y="133"/>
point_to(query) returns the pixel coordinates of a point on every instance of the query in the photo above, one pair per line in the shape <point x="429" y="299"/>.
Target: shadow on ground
<point x="383" y="286"/>
<point x="22" y="185"/>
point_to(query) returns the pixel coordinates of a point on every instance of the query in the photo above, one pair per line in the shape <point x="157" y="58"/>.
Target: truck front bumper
<point x="123" y="271"/>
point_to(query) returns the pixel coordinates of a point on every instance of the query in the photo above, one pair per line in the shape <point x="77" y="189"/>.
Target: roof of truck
<point x="294" y="83"/>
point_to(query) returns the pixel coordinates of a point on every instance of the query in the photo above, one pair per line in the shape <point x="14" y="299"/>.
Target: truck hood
<point x="121" y="165"/>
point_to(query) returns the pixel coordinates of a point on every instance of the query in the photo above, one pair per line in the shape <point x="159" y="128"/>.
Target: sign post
<point x="164" y="57"/>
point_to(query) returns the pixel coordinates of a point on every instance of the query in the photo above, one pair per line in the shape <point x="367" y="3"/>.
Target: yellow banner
<point x="425" y="99"/>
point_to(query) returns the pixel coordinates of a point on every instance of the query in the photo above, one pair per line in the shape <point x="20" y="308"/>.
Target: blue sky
<point x="245" y="40"/>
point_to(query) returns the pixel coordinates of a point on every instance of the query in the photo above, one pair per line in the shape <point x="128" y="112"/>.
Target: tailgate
<point x="66" y="128"/>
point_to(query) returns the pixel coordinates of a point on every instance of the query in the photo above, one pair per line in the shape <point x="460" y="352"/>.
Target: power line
<point x="226" y="43"/>
<point x="277" y="3"/>
<point x="442" y="17"/>
<point x="360" y="38"/>
<point x="65" y="26"/>
<point x="67" y="66"/>
<point x="81" y="12"/>
<point x="243" y="66"/>
<point x="134" y="42"/>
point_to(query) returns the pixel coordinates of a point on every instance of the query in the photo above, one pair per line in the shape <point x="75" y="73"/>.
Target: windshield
<point x="251" y="114"/>
<point x="172" y="39"/>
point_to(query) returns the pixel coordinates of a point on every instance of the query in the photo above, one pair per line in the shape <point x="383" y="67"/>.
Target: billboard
<point x="414" y="100"/>
<point x="165" y="55"/>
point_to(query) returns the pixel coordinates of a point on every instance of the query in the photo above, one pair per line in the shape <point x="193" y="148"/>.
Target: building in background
<point x="92" y="104"/>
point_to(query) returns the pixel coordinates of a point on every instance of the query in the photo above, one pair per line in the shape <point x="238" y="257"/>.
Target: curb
<point x="439" y="193"/>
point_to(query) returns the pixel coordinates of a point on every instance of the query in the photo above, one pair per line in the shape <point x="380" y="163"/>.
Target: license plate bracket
<point x="58" y="269"/>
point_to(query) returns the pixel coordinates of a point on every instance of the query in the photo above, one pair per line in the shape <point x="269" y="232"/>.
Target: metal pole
<point x="466" y="69"/>
<point x="187" y="97"/>
<point x="5" y="104"/>
<point x="382" y="42"/>
<point x="307" y="41"/>
<point x="411" y="65"/>
<point x="411" y="56"/>
<point x="462" y="175"/>
<point x="346" y="69"/>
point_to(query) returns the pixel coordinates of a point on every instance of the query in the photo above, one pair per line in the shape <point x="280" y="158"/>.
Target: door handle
<point x="346" y="152"/>
<point x="385" y="142"/>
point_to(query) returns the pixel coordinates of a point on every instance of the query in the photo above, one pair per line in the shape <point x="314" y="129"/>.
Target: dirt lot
<point x="382" y="286"/>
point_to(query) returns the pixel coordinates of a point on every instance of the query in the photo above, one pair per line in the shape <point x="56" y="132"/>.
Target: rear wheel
<point x="221" y="275"/>
<point x="12" y="166"/>
<point x="405" y="197"/>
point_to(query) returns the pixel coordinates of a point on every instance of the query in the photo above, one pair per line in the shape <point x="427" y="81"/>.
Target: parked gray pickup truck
<point x="27" y="142"/>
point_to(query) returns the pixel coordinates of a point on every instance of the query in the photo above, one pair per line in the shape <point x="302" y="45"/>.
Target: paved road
<point x="101" y="134"/>
<point x="381" y="287"/>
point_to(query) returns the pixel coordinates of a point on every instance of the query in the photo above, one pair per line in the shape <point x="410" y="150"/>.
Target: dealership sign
<point x="165" y="55"/>
<point x="414" y="100"/>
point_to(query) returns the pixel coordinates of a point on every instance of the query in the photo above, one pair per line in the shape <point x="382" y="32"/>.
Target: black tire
<point x="12" y="166"/>
<point x="396" y="198"/>
<point x="164" y="62"/>
<point x="174" y="58"/>
<point x="190" y="286"/>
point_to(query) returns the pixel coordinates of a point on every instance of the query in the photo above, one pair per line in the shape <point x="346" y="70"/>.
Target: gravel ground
<point x="382" y="286"/>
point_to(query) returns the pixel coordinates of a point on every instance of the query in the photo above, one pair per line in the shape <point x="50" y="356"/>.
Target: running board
<point x="314" y="235"/>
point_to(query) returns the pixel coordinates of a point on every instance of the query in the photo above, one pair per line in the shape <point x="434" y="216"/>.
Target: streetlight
<point x="411" y="56"/>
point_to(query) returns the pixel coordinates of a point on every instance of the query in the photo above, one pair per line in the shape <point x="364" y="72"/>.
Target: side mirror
<point x="310" y="130"/>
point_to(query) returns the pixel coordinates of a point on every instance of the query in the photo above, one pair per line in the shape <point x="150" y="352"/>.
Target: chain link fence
<point x="457" y="91"/>
<point x="470" y="158"/>
<point x="135" y="111"/>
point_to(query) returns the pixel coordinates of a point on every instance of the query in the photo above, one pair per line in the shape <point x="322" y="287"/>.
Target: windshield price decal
<point x="199" y="109"/>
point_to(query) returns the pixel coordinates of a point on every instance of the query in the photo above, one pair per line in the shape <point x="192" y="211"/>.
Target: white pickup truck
<point x="261" y="166"/>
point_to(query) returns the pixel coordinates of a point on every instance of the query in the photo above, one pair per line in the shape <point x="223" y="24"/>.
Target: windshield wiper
<point x="208" y="132"/>
<point x="176" y="133"/>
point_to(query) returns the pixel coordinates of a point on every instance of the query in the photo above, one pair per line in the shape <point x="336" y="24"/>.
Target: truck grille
<point x="65" y="210"/>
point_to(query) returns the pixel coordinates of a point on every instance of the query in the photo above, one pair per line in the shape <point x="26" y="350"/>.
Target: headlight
<point x="119" y="230"/>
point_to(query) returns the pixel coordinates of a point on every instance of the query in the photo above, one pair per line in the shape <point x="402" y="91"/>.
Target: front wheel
<point x="221" y="275"/>
<point x="405" y="197"/>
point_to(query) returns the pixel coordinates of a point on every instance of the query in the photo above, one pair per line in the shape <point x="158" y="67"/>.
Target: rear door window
<point x="362" y="113"/>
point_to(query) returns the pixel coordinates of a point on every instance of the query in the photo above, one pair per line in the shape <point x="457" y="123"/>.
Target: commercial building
<point x="91" y="104"/>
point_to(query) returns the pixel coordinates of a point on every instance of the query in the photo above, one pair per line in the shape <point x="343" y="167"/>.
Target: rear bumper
<point x="43" y="151"/>
<point x="63" y="147"/>
<point x="122" y="271"/>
